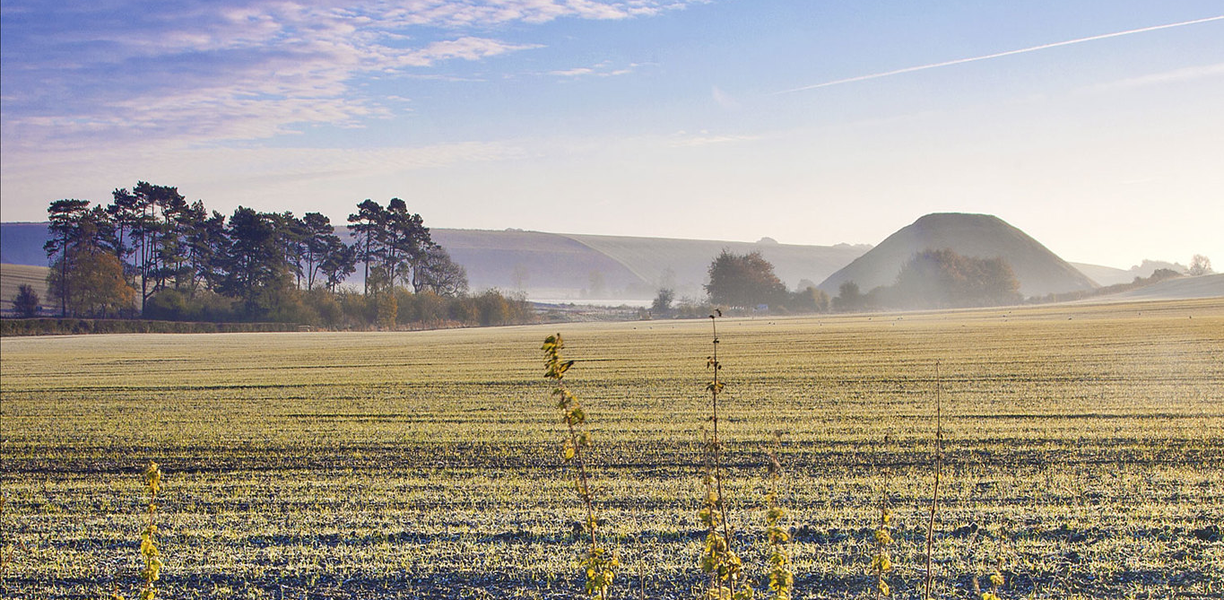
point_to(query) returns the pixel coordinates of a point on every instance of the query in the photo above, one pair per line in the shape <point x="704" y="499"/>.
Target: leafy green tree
<point x="809" y="299"/>
<point x="206" y="247"/>
<point x="407" y="244"/>
<point x="366" y="224"/>
<point x="662" y="304"/>
<point x="26" y="303"/>
<point x="291" y="234"/>
<point x="848" y="297"/>
<point x="744" y="281"/>
<point x="319" y="242"/>
<point x="124" y="212"/>
<point x="255" y="267"/>
<point x="65" y="220"/>
<point x="339" y="262"/>
<point x="155" y="215"/>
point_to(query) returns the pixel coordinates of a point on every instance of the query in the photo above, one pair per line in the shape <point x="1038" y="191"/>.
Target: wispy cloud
<point x="465" y="48"/>
<point x="961" y="61"/>
<point x="602" y="69"/>
<point x="1174" y="76"/>
<point x="683" y="139"/>
<point x="211" y="71"/>
<point x="724" y="99"/>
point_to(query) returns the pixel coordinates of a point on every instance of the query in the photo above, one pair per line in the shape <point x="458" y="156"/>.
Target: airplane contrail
<point x="961" y="61"/>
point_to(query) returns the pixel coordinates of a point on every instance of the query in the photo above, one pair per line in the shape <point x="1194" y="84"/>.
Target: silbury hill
<point x="1038" y="270"/>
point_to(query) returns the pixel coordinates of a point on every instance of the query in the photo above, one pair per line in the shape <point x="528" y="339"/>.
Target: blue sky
<point x="1095" y="126"/>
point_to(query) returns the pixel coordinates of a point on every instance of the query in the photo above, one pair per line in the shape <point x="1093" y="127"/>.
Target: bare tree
<point x="1200" y="265"/>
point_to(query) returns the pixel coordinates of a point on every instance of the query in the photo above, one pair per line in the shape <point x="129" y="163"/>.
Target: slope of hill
<point x="683" y="264"/>
<point x="564" y="267"/>
<point x="1104" y="275"/>
<point x="12" y="276"/>
<point x="1111" y="276"/>
<point x="1179" y="288"/>
<point x="543" y="264"/>
<point x="1039" y="271"/>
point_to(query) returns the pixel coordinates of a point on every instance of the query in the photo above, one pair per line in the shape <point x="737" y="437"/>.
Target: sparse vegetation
<point x="1081" y="445"/>
<point x="599" y="564"/>
<point x="719" y="561"/>
<point x="781" y="577"/>
<point x="662" y="304"/>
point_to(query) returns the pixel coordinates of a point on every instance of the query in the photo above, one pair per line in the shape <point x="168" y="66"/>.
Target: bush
<point x="166" y="305"/>
<point x="326" y="307"/>
<point x="26" y="302"/>
<point x="809" y="300"/>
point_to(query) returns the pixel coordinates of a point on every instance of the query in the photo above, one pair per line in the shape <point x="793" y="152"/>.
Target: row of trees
<point x="930" y="279"/>
<point x="150" y="252"/>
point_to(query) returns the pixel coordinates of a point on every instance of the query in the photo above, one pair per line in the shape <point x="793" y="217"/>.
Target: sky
<point x="1096" y="126"/>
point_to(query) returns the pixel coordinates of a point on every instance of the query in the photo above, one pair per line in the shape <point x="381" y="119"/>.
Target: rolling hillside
<point x="683" y="264"/>
<point x="553" y="266"/>
<point x="1179" y="288"/>
<point x="12" y="276"/>
<point x="1039" y="271"/>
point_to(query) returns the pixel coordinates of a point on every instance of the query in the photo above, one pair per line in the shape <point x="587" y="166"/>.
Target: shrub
<point x="26" y="302"/>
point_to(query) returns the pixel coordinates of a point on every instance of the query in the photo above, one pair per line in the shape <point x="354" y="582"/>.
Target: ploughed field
<point x="1084" y="449"/>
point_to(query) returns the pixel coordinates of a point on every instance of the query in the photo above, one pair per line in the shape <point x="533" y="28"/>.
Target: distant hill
<point x="557" y="266"/>
<point x="1038" y="270"/>
<point x="683" y="265"/>
<point x="1111" y="276"/>
<point x="1178" y="288"/>
<point x="13" y="276"/>
<point x="1104" y="275"/>
<point x="542" y="264"/>
<point x="22" y="244"/>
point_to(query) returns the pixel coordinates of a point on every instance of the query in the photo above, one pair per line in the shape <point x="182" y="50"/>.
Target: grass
<point x="1083" y="450"/>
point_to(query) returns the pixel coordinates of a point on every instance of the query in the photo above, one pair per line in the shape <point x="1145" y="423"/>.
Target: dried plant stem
<point x="599" y="565"/>
<point x="715" y="387"/>
<point x="938" y="471"/>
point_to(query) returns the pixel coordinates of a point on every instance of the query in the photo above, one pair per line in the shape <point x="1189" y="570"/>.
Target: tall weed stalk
<point x="881" y="563"/>
<point x="599" y="564"/>
<point x="930" y="535"/>
<point x="718" y="560"/>
<point x="151" y="573"/>
<point x="781" y="577"/>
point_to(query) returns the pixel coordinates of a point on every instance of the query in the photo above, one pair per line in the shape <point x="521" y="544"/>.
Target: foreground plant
<point x="718" y="560"/>
<point x="996" y="580"/>
<point x="930" y="535"/>
<point x="151" y="476"/>
<point x="881" y="563"/>
<point x="599" y="564"/>
<point x="781" y="578"/>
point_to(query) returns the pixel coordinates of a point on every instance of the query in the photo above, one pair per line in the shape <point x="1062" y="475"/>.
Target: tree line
<point x="151" y="254"/>
<point x="929" y="279"/>
<point x="938" y="279"/>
